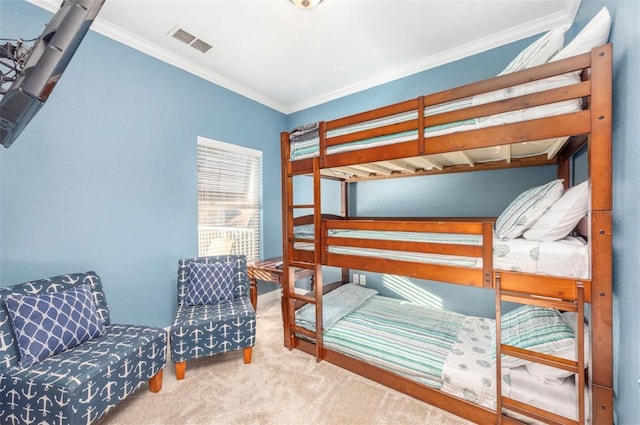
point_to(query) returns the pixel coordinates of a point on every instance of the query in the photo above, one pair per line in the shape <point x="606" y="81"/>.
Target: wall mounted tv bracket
<point x="13" y="55"/>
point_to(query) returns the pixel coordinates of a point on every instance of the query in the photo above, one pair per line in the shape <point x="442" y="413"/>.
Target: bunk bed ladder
<point x="576" y="367"/>
<point x="295" y="299"/>
<point x="291" y="297"/>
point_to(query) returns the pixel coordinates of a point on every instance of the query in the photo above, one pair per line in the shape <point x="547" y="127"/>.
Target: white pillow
<point x="526" y="209"/>
<point x="537" y="52"/>
<point x="562" y="217"/>
<point x="594" y="34"/>
<point x="552" y="375"/>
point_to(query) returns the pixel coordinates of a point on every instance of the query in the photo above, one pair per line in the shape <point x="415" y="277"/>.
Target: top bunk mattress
<point x="305" y="141"/>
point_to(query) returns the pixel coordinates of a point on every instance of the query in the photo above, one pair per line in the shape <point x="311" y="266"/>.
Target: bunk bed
<point x="537" y="116"/>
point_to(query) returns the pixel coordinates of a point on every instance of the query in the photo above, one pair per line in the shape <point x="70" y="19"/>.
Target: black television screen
<point x="44" y="66"/>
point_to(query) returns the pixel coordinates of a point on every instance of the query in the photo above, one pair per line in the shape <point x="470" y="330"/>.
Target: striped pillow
<point x="538" y="52"/>
<point x="526" y="209"/>
<point x="537" y="329"/>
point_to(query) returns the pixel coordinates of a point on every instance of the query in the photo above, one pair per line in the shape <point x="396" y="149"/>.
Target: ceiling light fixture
<point x="306" y="4"/>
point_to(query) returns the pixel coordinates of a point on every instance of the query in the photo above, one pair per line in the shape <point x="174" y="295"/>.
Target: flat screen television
<point x="44" y="66"/>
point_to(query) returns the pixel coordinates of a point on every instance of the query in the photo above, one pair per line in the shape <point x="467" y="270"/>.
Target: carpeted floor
<point x="279" y="387"/>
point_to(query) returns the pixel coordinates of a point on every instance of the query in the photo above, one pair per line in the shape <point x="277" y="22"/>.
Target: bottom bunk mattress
<point x="444" y="350"/>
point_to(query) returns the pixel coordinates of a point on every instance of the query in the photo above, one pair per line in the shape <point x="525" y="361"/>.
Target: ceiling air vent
<point x="200" y="45"/>
<point x="183" y="36"/>
<point x="191" y="40"/>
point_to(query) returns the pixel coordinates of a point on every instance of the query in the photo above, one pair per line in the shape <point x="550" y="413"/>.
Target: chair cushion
<point x="210" y="283"/>
<point x="201" y="331"/>
<point x="79" y="385"/>
<point x="48" y="324"/>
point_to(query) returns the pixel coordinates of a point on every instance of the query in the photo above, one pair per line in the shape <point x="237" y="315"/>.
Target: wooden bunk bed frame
<point x="589" y="127"/>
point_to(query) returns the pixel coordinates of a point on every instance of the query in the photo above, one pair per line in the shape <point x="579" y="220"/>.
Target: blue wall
<point x="104" y="177"/>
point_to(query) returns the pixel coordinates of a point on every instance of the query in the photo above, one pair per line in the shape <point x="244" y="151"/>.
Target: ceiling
<point x="291" y="59"/>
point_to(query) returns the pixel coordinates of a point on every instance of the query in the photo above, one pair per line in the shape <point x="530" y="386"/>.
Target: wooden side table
<point x="267" y="271"/>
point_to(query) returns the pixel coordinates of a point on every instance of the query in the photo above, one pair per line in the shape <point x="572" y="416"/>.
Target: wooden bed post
<point x="498" y="342"/>
<point x="601" y="368"/>
<point x="318" y="249"/>
<point x="287" y="223"/>
<point x="344" y="212"/>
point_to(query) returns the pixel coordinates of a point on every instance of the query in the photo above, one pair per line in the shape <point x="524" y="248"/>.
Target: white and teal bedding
<point x="409" y="339"/>
<point x="444" y="350"/>
<point x="568" y="257"/>
<point x="307" y="148"/>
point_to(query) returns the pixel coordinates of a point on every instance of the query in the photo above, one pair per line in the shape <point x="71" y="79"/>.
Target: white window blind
<point x="229" y="199"/>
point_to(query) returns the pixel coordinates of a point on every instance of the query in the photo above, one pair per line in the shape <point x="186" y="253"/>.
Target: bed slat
<point x="400" y="225"/>
<point x="423" y="247"/>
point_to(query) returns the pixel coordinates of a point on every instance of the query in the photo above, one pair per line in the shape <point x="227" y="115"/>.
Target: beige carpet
<point x="279" y="387"/>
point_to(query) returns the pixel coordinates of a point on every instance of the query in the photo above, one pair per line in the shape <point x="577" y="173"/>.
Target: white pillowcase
<point x="552" y="375"/>
<point x="538" y="52"/>
<point x="526" y="209"/>
<point x="562" y="217"/>
<point x="594" y="34"/>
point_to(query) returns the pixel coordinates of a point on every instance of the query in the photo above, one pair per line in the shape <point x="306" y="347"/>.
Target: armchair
<point x="214" y="312"/>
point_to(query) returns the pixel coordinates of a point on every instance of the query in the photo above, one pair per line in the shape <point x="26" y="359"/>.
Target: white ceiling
<point x="290" y="59"/>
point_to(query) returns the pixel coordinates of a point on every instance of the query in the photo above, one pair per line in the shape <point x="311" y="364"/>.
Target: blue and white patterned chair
<point x="81" y="383"/>
<point x="214" y="313"/>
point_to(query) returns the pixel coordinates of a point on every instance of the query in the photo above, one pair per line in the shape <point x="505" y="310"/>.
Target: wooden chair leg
<point x="155" y="382"/>
<point x="181" y="367"/>
<point x="247" y="355"/>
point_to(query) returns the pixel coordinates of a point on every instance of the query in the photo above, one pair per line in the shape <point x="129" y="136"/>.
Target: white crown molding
<point x="129" y="39"/>
<point x="555" y="20"/>
<point x="516" y="33"/>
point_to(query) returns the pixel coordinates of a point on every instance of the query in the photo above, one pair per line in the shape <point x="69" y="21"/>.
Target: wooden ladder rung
<point x="301" y="297"/>
<point x="535" y="412"/>
<point x="545" y="359"/>
<point x="539" y="301"/>
<point x="301" y="265"/>
<point x="304" y="331"/>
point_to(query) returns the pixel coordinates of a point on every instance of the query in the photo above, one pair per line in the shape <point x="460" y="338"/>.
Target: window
<point x="229" y="199"/>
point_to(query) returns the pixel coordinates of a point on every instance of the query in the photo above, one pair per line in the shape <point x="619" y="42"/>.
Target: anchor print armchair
<point x="214" y="313"/>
